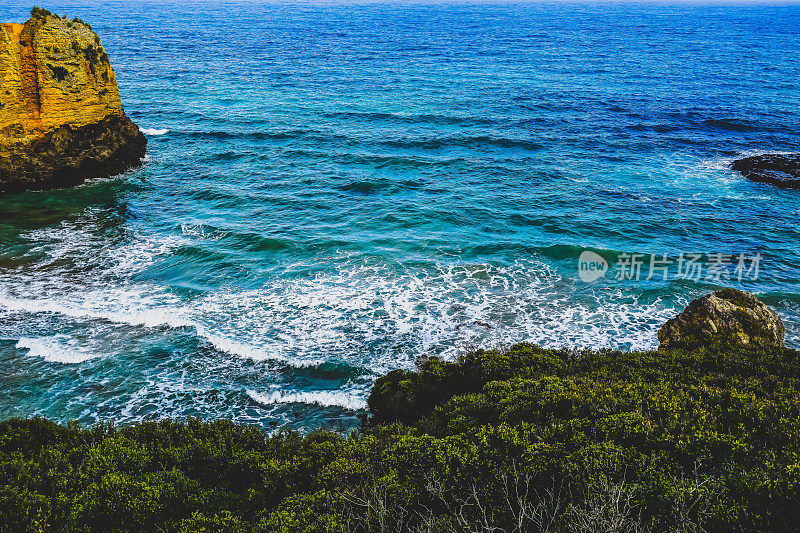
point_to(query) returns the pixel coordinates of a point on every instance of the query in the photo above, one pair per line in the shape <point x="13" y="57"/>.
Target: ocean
<point x="333" y="191"/>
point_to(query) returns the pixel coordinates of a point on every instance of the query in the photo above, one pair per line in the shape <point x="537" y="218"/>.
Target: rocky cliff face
<point x="61" y="118"/>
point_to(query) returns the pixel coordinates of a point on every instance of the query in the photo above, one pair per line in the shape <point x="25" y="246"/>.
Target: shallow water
<point x="333" y="191"/>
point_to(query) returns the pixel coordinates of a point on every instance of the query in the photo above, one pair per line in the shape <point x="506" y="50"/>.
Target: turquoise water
<point x="332" y="191"/>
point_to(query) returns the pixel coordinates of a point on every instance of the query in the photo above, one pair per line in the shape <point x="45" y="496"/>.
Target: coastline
<point x="301" y="311"/>
<point x="516" y="439"/>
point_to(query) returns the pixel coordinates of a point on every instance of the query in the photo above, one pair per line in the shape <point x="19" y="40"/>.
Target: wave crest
<point x="323" y="398"/>
<point x="56" y="349"/>
<point x="154" y="131"/>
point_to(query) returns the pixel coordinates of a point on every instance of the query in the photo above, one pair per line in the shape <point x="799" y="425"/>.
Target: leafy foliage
<point x="40" y="14"/>
<point x="519" y="440"/>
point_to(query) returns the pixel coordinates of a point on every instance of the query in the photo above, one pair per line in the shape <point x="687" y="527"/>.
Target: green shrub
<point x="40" y="14"/>
<point x="524" y="439"/>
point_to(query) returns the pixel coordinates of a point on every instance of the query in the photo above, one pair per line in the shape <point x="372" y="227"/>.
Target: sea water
<point x="332" y="191"/>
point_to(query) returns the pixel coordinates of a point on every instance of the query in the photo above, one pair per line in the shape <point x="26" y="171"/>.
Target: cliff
<point x="61" y="118"/>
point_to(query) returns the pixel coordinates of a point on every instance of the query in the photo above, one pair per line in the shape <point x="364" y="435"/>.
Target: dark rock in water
<point x="731" y="317"/>
<point x="776" y="169"/>
<point x="69" y="155"/>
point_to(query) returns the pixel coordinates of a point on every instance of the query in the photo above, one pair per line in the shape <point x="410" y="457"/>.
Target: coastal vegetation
<point x="523" y="439"/>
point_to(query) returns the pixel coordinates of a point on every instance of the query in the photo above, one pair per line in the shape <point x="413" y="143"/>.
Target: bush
<point x="40" y="14"/>
<point x="524" y="439"/>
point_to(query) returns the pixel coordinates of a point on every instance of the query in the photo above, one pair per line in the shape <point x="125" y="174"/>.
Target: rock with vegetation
<point x="519" y="440"/>
<point x="61" y="118"/>
<point x="727" y="317"/>
<point x="781" y="170"/>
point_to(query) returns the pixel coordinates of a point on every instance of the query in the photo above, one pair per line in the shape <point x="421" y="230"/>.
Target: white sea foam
<point x="375" y="317"/>
<point x="323" y="398"/>
<point x="110" y="306"/>
<point x="365" y="313"/>
<point x="153" y="131"/>
<point x="249" y="351"/>
<point x="76" y="243"/>
<point x="119" y="308"/>
<point x="56" y="349"/>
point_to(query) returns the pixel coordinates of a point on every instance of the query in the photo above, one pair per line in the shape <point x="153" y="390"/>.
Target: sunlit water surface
<point x="331" y="192"/>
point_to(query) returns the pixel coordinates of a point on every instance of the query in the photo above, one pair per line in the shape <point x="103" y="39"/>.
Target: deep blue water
<point x="332" y="191"/>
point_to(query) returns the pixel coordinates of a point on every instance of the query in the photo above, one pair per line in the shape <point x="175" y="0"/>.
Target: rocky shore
<point x="729" y="316"/>
<point x="520" y="439"/>
<point x="61" y="117"/>
<point x="780" y="170"/>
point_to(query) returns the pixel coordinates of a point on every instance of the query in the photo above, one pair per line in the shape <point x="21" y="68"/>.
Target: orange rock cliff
<point x="61" y="118"/>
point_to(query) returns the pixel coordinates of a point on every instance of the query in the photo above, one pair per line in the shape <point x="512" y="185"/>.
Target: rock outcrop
<point x="728" y="317"/>
<point x="781" y="170"/>
<point x="61" y="118"/>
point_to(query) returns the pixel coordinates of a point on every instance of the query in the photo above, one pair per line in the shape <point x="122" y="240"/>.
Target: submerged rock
<point x="730" y="317"/>
<point x="61" y="118"/>
<point x="781" y="170"/>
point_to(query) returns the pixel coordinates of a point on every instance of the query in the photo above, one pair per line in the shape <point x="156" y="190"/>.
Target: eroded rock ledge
<point x="781" y="170"/>
<point x="61" y="118"/>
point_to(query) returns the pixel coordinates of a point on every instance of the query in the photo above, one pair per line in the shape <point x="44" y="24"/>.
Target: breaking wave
<point x="323" y="398"/>
<point x="56" y="349"/>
